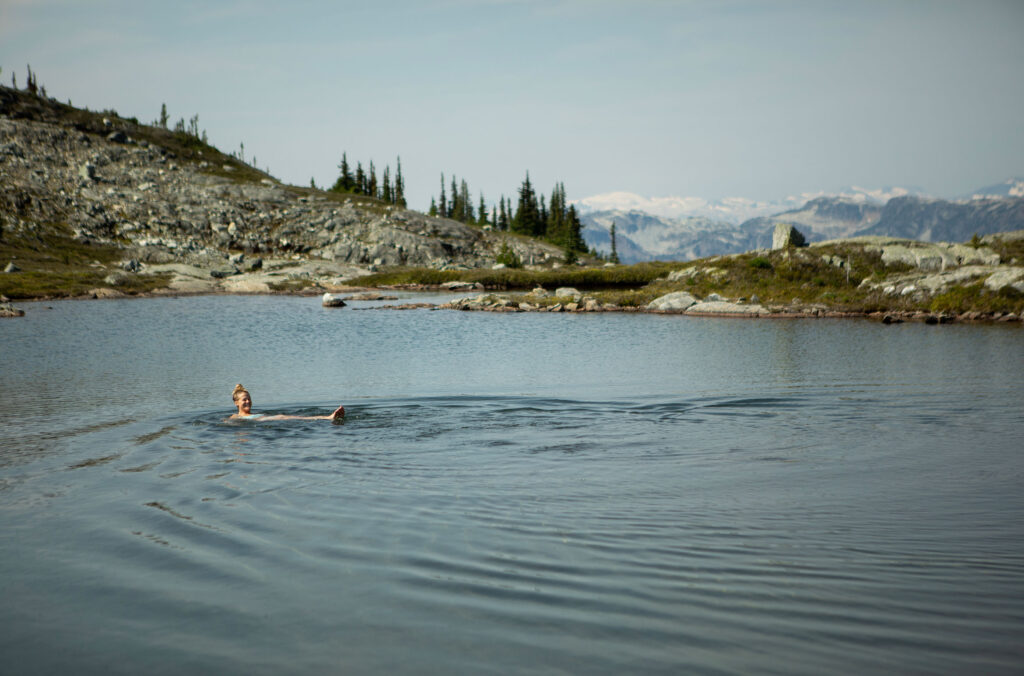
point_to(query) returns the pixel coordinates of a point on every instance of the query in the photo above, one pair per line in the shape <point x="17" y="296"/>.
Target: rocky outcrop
<point x="785" y="235"/>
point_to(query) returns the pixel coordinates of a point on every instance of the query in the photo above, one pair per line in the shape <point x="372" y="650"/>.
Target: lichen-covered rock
<point x="727" y="308"/>
<point x="1011" y="277"/>
<point x="673" y="302"/>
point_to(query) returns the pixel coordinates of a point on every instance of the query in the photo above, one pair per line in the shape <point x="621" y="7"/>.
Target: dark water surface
<point x="508" y="494"/>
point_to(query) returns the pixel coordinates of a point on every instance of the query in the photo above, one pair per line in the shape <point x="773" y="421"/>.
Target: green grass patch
<point x="977" y="298"/>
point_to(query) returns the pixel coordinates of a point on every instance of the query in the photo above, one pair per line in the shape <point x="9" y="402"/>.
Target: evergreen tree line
<point x="364" y="182"/>
<point x="554" y="220"/>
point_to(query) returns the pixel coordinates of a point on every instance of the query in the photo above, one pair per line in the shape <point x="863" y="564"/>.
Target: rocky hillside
<point x="165" y="198"/>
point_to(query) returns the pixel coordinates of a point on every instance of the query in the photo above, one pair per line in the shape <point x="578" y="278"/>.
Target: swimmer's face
<point x="244" y="402"/>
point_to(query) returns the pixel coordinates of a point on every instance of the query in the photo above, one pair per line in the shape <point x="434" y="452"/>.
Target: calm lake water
<point x="509" y="493"/>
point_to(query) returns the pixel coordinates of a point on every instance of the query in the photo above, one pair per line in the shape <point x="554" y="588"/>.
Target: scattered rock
<point x="11" y="267"/>
<point x="117" y="137"/>
<point x="726" y="308"/>
<point x="330" y="300"/>
<point x="462" y="286"/>
<point x="116" y="278"/>
<point x="567" y="291"/>
<point x="8" y="310"/>
<point x="673" y="302"/>
<point x="105" y="293"/>
<point x="88" y="171"/>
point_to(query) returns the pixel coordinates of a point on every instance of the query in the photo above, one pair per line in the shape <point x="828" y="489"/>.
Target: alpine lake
<point x="508" y="493"/>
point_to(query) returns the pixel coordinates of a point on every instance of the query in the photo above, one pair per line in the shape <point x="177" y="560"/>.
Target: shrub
<point x="507" y="256"/>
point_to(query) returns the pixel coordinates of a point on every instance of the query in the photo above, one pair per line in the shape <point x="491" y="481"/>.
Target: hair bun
<point x="238" y="390"/>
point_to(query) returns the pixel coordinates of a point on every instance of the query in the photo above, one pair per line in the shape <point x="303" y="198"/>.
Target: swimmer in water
<point x="243" y="401"/>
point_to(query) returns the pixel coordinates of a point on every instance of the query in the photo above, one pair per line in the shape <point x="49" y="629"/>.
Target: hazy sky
<point x="747" y="98"/>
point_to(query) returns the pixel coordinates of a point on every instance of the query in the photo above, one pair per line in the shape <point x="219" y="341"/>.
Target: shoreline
<point x="490" y="302"/>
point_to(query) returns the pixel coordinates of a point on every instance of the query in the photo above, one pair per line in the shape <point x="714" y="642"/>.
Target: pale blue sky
<point x="743" y="98"/>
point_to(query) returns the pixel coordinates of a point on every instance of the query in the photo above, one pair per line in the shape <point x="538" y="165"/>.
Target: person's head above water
<point x="242" y="399"/>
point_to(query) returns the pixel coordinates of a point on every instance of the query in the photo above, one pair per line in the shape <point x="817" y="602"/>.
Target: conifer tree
<point x="371" y="182"/>
<point x="442" y="207"/>
<point x="482" y="211"/>
<point x="503" y="217"/>
<point x="574" y="235"/>
<point x="360" y="186"/>
<point x="465" y="202"/>
<point x="164" y="117"/>
<point x="31" y="86"/>
<point x="433" y="208"/>
<point x="399" y="185"/>
<point x="615" y="251"/>
<point x="385" y="191"/>
<point x="527" y="217"/>
<point x="345" y="182"/>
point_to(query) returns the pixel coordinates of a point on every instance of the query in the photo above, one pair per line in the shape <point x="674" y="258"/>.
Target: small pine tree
<point x="31" y="86"/>
<point x="360" y="180"/>
<point x="385" y="190"/>
<point x="482" y="211"/>
<point x="615" y="251"/>
<point x="399" y="185"/>
<point x="345" y="183"/>
<point x="433" y="208"/>
<point x="442" y="207"/>
<point x="164" y="117"/>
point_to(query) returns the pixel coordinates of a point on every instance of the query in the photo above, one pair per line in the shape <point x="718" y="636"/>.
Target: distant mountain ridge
<point x="641" y="235"/>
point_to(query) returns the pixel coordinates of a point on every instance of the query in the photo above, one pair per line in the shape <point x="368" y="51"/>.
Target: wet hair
<point x="238" y="391"/>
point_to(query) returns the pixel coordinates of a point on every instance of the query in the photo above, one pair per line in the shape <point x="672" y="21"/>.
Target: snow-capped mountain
<point x="678" y="228"/>
<point x="733" y="210"/>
